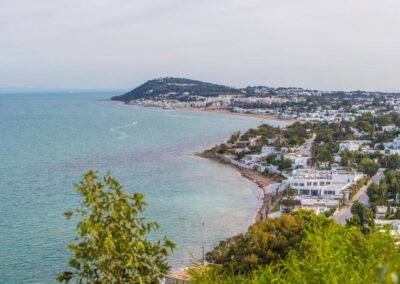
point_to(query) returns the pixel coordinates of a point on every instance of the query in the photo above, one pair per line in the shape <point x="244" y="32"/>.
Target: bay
<point x="47" y="141"/>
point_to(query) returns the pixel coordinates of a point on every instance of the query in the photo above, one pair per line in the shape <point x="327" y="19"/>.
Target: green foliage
<point x="222" y="149"/>
<point x="393" y="162"/>
<point x="178" y="86"/>
<point x="323" y="152"/>
<point x="363" y="218"/>
<point x="387" y="192"/>
<point x="288" y="199"/>
<point x="265" y="242"/>
<point x="330" y="212"/>
<point x="112" y="244"/>
<point x="296" y="134"/>
<point x="327" y="253"/>
<point x="377" y="194"/>
<point x="284" y="164"/>
<point x="368" y="167"/>
<point x="333" y="132"/>
<point x="234" y="137"/>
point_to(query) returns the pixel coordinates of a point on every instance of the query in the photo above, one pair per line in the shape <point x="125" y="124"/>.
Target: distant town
<point x="284" y="103"/>
<point x="343" y="148"/>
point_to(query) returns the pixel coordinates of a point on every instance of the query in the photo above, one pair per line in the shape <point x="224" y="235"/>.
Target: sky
<point x="118" y="44"/>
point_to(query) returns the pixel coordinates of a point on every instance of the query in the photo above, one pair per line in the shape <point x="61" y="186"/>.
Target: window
<point x="321" y="183"/>
<point x="308" y="183"/>
<point x="304" y="192"/>
<point x="295" y="184"/>
<point x="301" y="184"/>
<point x="315" y="183"/>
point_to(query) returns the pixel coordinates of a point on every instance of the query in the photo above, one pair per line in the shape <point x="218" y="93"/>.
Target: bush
<point x="327" y="253"/>
<point x="265" y="242"/>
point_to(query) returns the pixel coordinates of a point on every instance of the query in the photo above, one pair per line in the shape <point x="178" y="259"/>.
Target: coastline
<point x="260" y="180"/>
<point x="268" y="200"/>
<point x="225" y="111"/>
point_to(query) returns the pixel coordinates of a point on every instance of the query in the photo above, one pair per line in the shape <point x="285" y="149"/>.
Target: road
<point x="305" y="149"/>
<point x="344" y="213"/>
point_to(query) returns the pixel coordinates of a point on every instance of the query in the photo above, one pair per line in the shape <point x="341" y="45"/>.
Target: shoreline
<point x="223" y="111"/>
<point x="227" y="112"/>
<point x="260" y="180"/>
<point x="268" y="201"/>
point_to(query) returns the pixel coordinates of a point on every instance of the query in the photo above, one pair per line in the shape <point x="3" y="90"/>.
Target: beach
<point x="225" y="111"/>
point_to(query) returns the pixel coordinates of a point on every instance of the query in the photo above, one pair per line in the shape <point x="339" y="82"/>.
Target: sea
<point x="49" y="140"/>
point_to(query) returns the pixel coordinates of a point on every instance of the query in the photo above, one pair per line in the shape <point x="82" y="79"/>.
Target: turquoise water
<point x="48" y="140"/>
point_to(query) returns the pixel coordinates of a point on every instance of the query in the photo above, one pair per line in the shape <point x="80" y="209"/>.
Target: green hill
<point x="175" y="88"/>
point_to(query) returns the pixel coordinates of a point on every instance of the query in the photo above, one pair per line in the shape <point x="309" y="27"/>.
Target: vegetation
<point x="288" y="200"/>
<point x="363" y="218"/>
<point x="322" y="252"/>
<point x="265" y="242"/>
<point x="112" y="237"/>
<point x="387" y="193"/>
<point x="368" y="167"/>
<point x="178" y="88"/>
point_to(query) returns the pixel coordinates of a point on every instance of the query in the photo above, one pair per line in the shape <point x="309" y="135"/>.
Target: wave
<point x="122" y="135"/>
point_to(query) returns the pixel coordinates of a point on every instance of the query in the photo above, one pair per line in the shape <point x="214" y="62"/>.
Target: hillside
<point x="175" y="88"/>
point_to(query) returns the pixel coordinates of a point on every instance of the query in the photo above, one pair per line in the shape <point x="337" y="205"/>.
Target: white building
<point x="393" y="147"/>
<point x="268" y="150"/>
<point x="389" y="128"/>
<point x="393" y="224"/>
<point x="331" y="184"/>
<point x="352" y="145"/>
<point x="298" y="161"/>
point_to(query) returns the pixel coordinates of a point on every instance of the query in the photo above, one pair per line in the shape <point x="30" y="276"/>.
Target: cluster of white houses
<point x="255" y="161"/>
<point x="321" y="190"/>
<point x="318" y="190"/>
<point x="364" y="146"/>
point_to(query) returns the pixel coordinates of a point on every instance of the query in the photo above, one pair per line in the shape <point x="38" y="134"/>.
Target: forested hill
<point x="175" y="88"/>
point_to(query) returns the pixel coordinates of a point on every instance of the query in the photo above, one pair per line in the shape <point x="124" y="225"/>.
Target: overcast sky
<point x="336" y="44"/>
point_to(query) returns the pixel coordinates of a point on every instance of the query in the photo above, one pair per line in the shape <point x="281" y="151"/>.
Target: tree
<point x="393" y="162"/>
<point x="392" y="179"/>
<point x="265" y="242"/>
<point x="288" y="199"/>
<point x="112" y="244"/>
<point x="285" y="165"/>
<point x="328" y="252"/>
<point x="234" y="137"/>
<point x="368" y="167"/>
<point x="377" y="194"/>
<point x="221" y="149"/>
<point x="363" y="218"/>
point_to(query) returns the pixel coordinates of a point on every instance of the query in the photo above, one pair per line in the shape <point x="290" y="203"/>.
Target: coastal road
<point x="344" y="213"/>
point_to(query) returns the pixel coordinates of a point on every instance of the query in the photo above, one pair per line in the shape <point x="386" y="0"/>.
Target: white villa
<point x="393" y="147"/>
<point x="268" y="150"/>
<point x="298" y="161"/>
<point x="352" y="145"/>
<point x="318" y="205"/>
<point x="330" y="184"/>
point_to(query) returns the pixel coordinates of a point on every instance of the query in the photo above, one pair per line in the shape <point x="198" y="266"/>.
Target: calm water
<point x="48" y="140"/>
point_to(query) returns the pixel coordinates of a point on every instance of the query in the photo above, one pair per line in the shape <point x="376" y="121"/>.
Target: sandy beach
<point x="224" y="111"/>
<point x="227" y="112"/>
